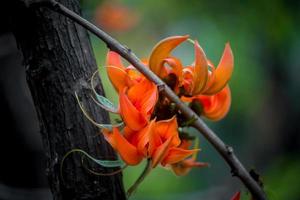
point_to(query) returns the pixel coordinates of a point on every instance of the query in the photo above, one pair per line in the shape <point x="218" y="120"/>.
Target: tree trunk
<point x="59" y="61"/>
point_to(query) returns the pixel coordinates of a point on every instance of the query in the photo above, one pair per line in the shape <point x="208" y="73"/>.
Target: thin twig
<point x="226" y="151"/>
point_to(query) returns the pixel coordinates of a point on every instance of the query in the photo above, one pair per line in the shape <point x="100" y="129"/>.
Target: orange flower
<point x="137" y="95"/>
<point x="137" y="104"/>
<point x="119" y="75"/>
<point x="183" y="167"/>
<point x="213" y="107"/>
<point x="195" y="79"/>
<point x="158" y="141"/>
<point x="164" y="143"/>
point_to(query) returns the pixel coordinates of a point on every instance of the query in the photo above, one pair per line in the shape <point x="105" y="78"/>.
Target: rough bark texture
<point x="59" y="61"/>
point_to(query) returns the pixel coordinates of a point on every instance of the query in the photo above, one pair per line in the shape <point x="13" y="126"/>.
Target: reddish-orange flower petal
<point x="114" y="59"/>
<point x="188" y="76"/>
<point x="144" y="138"/>
<point x="184" y="167"/>
<point x="126" y="150"/>
<point x="185" y="144"/>
<point x="135" y="76"/>
<point x="161" y="152"/>
<point x="109" y="137"/>
<point x="162" y="50"/>
<point x="134" y="119"/>
<point x="154" y="141"/>
<point x="217" y="106"/>
<point x="117" y="77"/>
<point x="166" y="129"/>
<point x="144" y="96"/>
<point x="176" y="66"/>
<point x="200" y="70"/>
<point x="176" y="155"/>
<point x="211" y="75"/>
<point x="222" y="73"/>
<point x="116" y="71"/>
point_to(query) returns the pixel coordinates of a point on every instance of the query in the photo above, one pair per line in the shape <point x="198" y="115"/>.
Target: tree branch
<point x="226" y="151"/>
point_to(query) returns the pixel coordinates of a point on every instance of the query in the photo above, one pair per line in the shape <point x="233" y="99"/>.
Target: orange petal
<point x="134" y="75"/>
<point x="185" y="144"/>
<point x="116" y="71"/>
<point x="176" y="66"/>
<point x="145" y="102"/>
<point x="118" y="77"/>
<point x="126" y="150"/>
<point x="154" y="141"/>
<point x="161" y="152"/>
<point x="143" y="138"/>
<point x="200" y="70"/>
<point x="188" y="76"/>
<point x="131" y="116"/>
<point x="109" y="137"/>
<point x="114" y="59"/>
<point x="223" y="72"/>
<point x="211" y="75"/>
<point x="183" y="167"/>
<point x="162" y="51"/>
<point x="166" y="129"/>
<point x="176" y="155"/>
<point x="217" y="106"/>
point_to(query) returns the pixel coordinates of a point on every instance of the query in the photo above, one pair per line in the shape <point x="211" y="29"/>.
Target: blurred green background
<point x="262" y="125"/>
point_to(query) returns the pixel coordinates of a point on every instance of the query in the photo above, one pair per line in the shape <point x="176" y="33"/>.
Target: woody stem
<point x="146" y="171"/>
<point x="237" y="168"/>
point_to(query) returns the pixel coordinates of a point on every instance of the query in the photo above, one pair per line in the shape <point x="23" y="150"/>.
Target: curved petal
<point x="176" y="66"/>
<point x="188" y="77"/>
<point x="143" y="138"/>
<point x="200" y="70"/>
<point x="144" y="103"/>
<point x="118" y="77"/>
<point x="183" y="167"/>
<point x="166" y="129"/>
<point x="161" y="152"/>
<point x="126" y="150"/>
<point x="116" y="71"/>
<point x="223" y="72"/>
<point x="114" y="59"/>
<point x="131" y="116"/>
<point x="162" y="51"/>
<point x="217" y="106"/>
<point x="185" y="144"/>
<point x="109" y="137"/>
<point x="211" y="75"/>
<point x="176" y="155"/>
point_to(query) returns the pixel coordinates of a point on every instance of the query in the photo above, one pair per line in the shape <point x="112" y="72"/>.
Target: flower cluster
<point x="152" y="123"/>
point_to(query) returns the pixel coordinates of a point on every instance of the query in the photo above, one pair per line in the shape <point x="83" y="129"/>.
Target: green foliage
<point x="282" y="180"/>
<point x="106" y="104"/>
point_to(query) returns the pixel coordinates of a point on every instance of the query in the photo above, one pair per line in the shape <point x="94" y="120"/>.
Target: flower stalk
<point x="140" y="179"/>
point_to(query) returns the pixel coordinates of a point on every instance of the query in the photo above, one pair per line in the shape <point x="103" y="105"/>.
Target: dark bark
<point x="59" y="61"/>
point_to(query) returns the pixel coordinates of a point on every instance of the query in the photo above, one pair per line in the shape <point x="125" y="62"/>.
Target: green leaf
<point x="103" y="163"/>
<point x="110" y="126"/>
<point x="101" y="100"/>
<point x="106" y="104"/>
